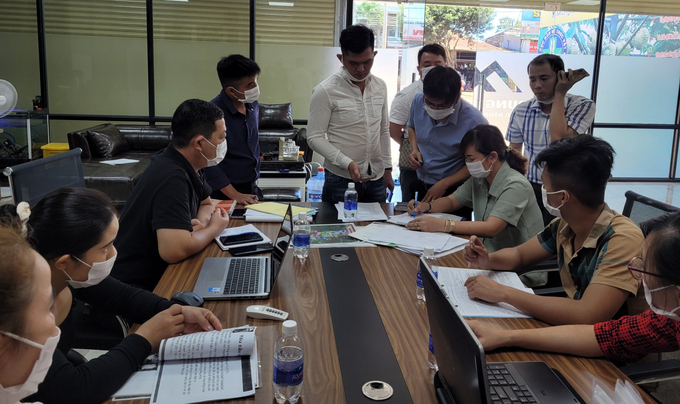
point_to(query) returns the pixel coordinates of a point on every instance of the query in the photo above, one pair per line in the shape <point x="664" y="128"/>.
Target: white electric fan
<point x="8" y="97"/>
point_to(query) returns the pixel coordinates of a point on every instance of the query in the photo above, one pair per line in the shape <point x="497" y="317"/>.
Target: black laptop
<point x="464" y="377"/>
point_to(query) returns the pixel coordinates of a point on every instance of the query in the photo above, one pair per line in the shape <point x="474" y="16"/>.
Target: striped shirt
<point x="531" y="126"/>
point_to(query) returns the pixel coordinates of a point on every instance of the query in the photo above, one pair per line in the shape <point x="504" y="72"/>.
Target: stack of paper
<point x="454" y="279"/>
<point x="273" y="212"/>
<point x="404" y="218"/>
<point x="366" y="212"/>
<point x="413" y="242"/>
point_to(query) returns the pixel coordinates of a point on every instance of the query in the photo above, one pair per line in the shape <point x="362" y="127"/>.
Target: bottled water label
<point x="419" y="280"/>
<point x="350" y="205"/>
<point x="301" y="240"/>
<point x="431" y="345"/>
<point x="288" y="373"/>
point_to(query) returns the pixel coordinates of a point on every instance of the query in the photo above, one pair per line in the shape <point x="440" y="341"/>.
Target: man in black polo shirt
<point x="235" y="177"/>
<point x="169" y="215"/>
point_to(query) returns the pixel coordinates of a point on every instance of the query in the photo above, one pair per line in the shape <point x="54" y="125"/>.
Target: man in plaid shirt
<point x="551" y="115"/>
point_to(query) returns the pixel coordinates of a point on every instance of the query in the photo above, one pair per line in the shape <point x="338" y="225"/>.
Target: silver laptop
<point x="465" y="377"/>
<point x="229" y="278"/>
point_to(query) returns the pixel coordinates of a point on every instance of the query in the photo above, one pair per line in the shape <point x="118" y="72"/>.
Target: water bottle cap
<point x="320" y="169"/>
<point x="428" y="251"/>
<point x="302" y="215"/>
<point x="350" y="185"/>
<point x="289" y="328"/>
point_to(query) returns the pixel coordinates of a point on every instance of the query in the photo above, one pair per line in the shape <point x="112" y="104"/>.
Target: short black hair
<point x="435" y="48"/>
<point x="663" y="251"/>
<point x="233" y="68"/>
<point x="191" y="118"/>
<point x="442" y="84"/>
<point x="556" y="63"/>
<point x="356" y="39"/>
<point x="581" y="165"/>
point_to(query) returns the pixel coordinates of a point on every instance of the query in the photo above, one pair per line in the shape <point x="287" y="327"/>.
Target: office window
<point x="640" y="153"/>
<point x="189" y="39"/>
<point x="295" y="50"/>
<point x="640" y="71"/>
<point x="19" y="49"/>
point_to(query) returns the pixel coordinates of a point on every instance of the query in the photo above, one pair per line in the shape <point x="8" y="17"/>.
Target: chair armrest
<point x="651" y="372"/>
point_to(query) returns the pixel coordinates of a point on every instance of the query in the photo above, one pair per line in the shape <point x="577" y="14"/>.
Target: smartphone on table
<point x="239" y="213"/>
<point x="241" y="239"/>
<point x="251" y="249"/>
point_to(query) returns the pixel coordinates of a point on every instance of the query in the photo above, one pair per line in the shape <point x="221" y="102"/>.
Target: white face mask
<point x="552" y="210"/>
<point x="12" y="394"/>
<point x="251" y="95"/>
<point x="476" y="169"/>
<point x="425" y="70"/>
<point x="648" y="296"/>
<point x="349" y="77"/>
<point x="546" y="102"/>
<point x="438" y="114"/>
<point x="98" y="271"/>
<point x="221" y="152"/>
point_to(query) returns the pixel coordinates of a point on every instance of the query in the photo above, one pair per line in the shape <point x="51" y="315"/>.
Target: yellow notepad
<point x="276" y="208"/>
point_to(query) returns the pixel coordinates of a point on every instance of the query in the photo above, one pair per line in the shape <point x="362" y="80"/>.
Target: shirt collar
<point x="230" y="105"/>
<point x="601" y="224"/>
<point x="499" y="179"/>
<point x="195" y="177"/>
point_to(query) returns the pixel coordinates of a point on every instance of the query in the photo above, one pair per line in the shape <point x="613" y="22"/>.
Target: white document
<point x="414" y="239"/>
<point x="233" y="231"/>
<point x="196" y="375"/>
<point x="404" y="218"/>
<point x="454" y="279"/>
<point x="254" y="216"/>
<point x="118" y="162"/>
<point x="366" y="212"/>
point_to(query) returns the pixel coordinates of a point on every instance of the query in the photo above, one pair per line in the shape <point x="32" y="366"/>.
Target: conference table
<point x="300" y="290"/>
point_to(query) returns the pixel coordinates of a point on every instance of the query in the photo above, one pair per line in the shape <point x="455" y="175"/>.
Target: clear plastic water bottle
<point x="431" y="360"/>
<point x="428" y="255"/>
<point x="315" y="186"/>
<point x="301" y="236"/>
<point x="288" y="364"/>
<point x="351" y="201"/>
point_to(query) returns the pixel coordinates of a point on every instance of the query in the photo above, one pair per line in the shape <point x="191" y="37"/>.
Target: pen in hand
<point x="472" y="247"/>
<point x="415" y="205"/>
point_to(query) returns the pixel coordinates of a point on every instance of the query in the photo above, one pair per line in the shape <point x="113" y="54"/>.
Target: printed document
<point x="404" y="218"/>
<point x="454" y="279"/>
<point x="204" y="366"/>
<point x="366" y="212"/>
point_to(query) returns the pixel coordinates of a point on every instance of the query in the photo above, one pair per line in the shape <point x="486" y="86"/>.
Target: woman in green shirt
<point x="504" y="205"/>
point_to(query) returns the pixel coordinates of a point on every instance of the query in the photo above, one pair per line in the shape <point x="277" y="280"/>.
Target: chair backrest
<point x="640" y="208"/>
<point x="31" y="181"/>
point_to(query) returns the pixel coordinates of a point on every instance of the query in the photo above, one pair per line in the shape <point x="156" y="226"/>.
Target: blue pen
<point x="415" y="205"/>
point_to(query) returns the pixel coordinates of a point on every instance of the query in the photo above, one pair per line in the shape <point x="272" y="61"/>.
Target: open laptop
<point x="464" y="377"/>
<point x="228" y="278"/>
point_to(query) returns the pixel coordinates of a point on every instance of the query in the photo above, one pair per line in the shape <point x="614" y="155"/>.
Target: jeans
<point x="406" y="178"/>
<point x="335" y="186"/>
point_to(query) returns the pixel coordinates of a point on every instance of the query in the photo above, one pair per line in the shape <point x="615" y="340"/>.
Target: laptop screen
<point x="460" y="356"/>
<point x="282" y="243"/>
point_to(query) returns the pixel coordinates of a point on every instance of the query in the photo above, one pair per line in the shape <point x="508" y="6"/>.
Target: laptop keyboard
<point x="504" y="389"/>
<point x="244" y="276"/>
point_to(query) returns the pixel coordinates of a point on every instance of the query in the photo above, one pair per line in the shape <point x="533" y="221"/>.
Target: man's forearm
<point x="559" y="128"/>
<point x="568" y="339"/>
<point x="396" y="132"/>
<point x="552" y="310"/>
<point x="204" y="212"/>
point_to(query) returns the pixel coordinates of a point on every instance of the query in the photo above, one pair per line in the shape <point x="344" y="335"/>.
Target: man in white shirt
<point x="349" y="125"/>
<point x="429" y="56"/>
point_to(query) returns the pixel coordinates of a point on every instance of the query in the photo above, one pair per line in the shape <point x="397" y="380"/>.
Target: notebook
<point x="465" y="377"/>
<point x="228" y="278"/>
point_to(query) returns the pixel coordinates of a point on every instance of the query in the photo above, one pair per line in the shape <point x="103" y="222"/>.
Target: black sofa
<point x="111" y="142"/>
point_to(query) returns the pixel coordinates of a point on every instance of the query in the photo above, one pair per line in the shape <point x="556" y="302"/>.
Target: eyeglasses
<point x="436" y="106"/>
<point x="636" y="268"/>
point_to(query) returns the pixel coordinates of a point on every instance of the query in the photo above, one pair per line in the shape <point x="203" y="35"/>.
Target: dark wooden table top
<point x="391" y="274"/>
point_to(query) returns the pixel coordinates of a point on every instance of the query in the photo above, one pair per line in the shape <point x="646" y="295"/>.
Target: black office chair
<point x="640" y="208"/>
<point x="30" y="182"/>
